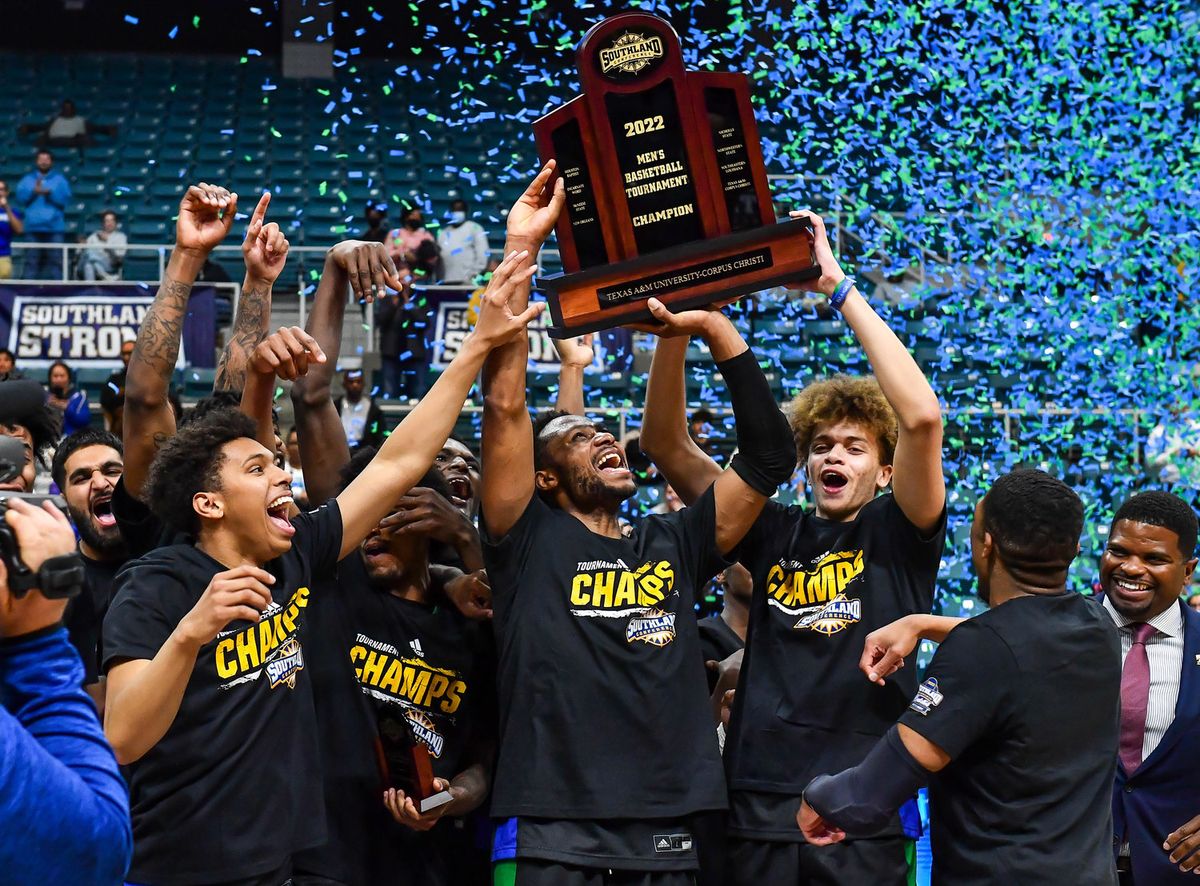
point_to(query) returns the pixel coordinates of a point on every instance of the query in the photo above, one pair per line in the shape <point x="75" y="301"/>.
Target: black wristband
<point x="766" y="455"/>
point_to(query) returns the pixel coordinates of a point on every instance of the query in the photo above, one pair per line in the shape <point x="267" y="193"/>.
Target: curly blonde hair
<point x="844" y="398"/>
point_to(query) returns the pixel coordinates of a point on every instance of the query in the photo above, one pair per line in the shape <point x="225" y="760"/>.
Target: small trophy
<point x="404" y="761"/>
<point x="666" y="188"/>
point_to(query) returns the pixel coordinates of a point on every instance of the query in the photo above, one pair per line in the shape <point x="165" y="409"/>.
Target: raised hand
<point x="369" y="267"/>
<point x="265" y="248"/>
<point x="471" y="595"/>
<point x="535" y="213"/>
<point x="670" y="325"/>
<point x="423" y="511"/>
<point x="286" y="353"/>
<point x="497" y="323"/>
<point x="831" y="271"/>
<point x="238" y="594"/>
<point x="206" y="214"/>
<point x="576" y="351"/>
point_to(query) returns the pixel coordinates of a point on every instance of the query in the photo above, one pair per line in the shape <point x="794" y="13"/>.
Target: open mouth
<point x="277" y="513"/>
<point x="460" y="490"/>
<point x="1131" y="589"/>
<point x="832" y="482"/>
<point x="611" y="462"/>
<point x="102" y="511"/>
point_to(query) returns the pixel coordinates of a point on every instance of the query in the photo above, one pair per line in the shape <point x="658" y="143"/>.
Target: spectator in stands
<point x="362" y="419"/>
<point x="402" y="319"/>
<point x="10" y="226"/>
<point x="67" y="129"/>
<point x="463" y="245"/>
<point x="67" y="401"/>
<point x="412" y="245"/>
<point x="42" y="196"/>
<point x="1193" y="601"/>
<point x="112" y="398"/>
<point x="8" y="366"/>
<point x="377" y="229"/>
<point x="105" y="252"/>
<point x="1173" y="454"/>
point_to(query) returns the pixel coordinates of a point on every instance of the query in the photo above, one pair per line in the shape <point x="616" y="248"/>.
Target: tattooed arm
<point x="205" y="216"/>
<point x="265" y="253"/>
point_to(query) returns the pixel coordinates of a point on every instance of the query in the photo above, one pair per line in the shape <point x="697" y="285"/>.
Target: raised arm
<point x="665" y="438"/>
<point x="264" y="251"/>
<point x="286" y="354"/>
<point x="766" y="455"/>
<point x="918" y="482"/>
<point x="410" y="450"/>
<point x="369" y="271"/>
<point x="206" y="214"/>
<point x="507" y="436"/>
<point x="575" y="355"/>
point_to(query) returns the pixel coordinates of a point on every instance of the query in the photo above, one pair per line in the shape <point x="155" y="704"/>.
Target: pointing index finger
<point x="260" y="211"/>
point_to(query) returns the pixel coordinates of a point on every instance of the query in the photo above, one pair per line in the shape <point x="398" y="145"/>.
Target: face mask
<point x="413" y="223"/>
<point x="458" y="217"/>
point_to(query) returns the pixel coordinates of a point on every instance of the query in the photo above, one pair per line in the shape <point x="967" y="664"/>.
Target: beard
<point x="109" y="544"/>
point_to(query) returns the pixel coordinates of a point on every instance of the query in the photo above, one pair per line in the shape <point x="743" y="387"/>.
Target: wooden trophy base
<point x="718" y="270"/>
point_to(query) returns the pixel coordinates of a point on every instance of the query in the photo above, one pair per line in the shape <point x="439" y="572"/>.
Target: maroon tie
<point x="1135" y="696"/>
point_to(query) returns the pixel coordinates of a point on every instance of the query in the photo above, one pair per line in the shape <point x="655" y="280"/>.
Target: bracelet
<point x="839" y="294"/>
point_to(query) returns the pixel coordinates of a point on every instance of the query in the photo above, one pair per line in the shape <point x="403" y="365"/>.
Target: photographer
<point x="62" y="800"/>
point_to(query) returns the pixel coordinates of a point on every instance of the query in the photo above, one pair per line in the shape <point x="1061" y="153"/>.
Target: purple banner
<point x="84" y="324"/>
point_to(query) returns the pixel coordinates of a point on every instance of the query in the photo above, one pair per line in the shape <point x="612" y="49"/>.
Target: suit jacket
<point x="1164" y="792"/>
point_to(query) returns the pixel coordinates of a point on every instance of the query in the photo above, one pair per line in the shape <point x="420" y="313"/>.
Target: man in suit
<point x="1146" y="566"/>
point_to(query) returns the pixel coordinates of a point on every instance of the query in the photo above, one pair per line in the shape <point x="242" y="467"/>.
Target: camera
<point x="59" y="577"/>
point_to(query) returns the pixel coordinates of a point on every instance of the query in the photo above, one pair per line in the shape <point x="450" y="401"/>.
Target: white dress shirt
<point x="1164" y="651"/>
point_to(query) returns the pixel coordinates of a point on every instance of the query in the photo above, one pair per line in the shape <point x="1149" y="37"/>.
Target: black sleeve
<point x="968" y="689"/>
<point x="142" y="531"/>
<point x="142" y="616"/>
<point x="507" y="556"/>
<point x="698" y="537"/>
<point x="318" y="537"/>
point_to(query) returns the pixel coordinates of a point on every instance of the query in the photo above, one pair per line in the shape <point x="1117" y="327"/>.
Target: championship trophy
<point x="404" y="761"/>
<point x="666" y="189"/>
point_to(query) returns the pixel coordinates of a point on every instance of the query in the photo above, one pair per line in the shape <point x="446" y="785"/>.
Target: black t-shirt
<point x="233" y="788"/>
<point x="654" y="844"/>
<point x="1025" y="700"/>
<point x="603" y="707"/>
<point x="141" y="530"/>
<point x="802" y="707"/>
<point x="85" y="613"/>
<point x="717" y="642"/>
<point x="368" y="649"/>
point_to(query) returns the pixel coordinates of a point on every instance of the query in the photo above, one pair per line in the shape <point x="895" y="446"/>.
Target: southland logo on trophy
<point x="667" y="192"/>
<point x="630" y="53"/>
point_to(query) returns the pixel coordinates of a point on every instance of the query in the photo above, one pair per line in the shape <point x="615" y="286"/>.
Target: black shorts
<point x="539" y="872"/>
<point x="879" y="862"/>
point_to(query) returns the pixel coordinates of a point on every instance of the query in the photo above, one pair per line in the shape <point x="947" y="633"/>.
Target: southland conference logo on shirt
<point x="610" y="589"/>
<point x="816" y="592"/>
<point x="243" y="655"/>
<point x="927" y="698"/>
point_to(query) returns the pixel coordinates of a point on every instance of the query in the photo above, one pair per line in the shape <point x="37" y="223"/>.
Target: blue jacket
<point x="64" y="809"/>
<point x="44" y="213"/>
<point x="1164" y="792"/>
